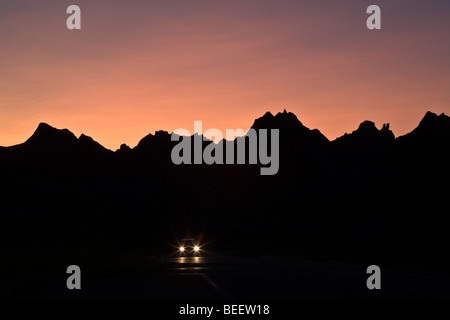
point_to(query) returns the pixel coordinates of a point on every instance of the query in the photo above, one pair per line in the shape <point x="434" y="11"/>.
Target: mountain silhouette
<point x="153" y="148"/>
<point x="295" y="140"/>
<point x="47" y="138"/>
<point x="367" y="136"/>
<point x="49" y="147"/>
<point x="88" y="145"/>
<point x="290" y="128"/>
<point x="432" y="130"/>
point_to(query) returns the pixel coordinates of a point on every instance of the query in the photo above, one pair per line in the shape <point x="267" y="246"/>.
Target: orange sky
<point x="140" y="66"/>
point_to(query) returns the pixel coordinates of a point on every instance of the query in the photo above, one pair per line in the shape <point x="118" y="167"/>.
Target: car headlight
<point x="181" y="249"/>
<point x="196" y="248"/>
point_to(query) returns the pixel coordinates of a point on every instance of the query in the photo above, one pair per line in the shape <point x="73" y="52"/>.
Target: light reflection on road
<point x="191" y="260"/>
<point x="189" y="263"/>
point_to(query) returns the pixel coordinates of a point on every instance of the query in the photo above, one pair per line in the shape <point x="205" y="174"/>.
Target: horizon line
<point x="245" y="130"/>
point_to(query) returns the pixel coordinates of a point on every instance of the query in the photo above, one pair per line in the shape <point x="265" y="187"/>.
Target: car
<point x="189" y="246"/>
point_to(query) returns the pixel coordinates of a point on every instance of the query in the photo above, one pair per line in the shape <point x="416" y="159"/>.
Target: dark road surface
<point x="222" y="277"/>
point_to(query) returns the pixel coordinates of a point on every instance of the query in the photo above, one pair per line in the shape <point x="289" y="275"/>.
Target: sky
<point x="138" y="66"/>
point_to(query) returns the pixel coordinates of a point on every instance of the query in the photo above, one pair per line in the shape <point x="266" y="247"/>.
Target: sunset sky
<point x="137" y="66"/>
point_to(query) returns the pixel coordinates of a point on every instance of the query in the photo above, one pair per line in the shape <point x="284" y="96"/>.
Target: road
<point x="229" y="278"/>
